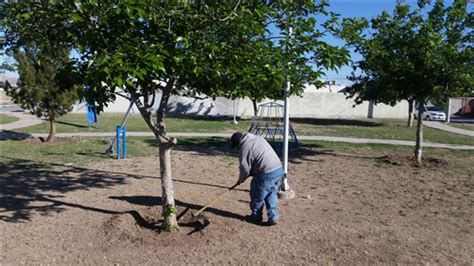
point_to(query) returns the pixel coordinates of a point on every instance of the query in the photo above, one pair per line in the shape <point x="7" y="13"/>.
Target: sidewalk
<point x="25" y="120"/>
<point x="444" y="127"/>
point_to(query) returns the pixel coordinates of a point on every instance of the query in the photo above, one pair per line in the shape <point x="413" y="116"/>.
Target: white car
<point x="432" y="113"/>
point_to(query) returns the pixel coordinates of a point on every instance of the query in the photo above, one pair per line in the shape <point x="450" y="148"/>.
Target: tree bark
<point x="410" y="113"/>
<point x="170" y="222"/>
<point x="52" y="128"/>
<point x="419" y="135"/>
<point x="255" y="108"/>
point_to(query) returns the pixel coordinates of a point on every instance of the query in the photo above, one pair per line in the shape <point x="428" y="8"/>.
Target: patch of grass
<point x="80" y="151"/>
<point x="374" y="129"/>
<point x="5" y="119"/>
<point x="363" y="128"/>
<point x="77" y="151"/>
<point x="463" y="126"/>
<point x="393" y="149"/>
<point x="108" y="122"/>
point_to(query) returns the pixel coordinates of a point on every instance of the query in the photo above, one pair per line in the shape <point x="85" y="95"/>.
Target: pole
<point x="235" y="115"/>
<point x="118" y="142"/>
<point x="448" y="111"/>
<point x="285" y="190"/>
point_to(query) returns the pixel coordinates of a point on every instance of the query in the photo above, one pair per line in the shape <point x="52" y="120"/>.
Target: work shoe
<point x="272" y="222"/>
<point x="253" y="219"/>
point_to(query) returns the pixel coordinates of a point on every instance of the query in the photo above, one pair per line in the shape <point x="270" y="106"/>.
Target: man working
<point x="258" y="159"/>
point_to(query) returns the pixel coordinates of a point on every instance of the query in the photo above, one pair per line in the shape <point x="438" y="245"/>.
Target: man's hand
<point x="241" y="180"/>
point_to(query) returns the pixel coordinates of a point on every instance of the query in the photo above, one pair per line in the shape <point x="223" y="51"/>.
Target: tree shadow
<point x="218" y="146"/>
<point x="27" y="187"/>
<point x="203" y="145"/>
<point x="336" y="122"/>
<point x="154" y="201"/>
<point x="71" y="124"/>
<point x="12" y="135"/>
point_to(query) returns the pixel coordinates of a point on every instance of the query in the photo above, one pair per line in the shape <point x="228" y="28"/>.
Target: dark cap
<point x="235" y="139"/>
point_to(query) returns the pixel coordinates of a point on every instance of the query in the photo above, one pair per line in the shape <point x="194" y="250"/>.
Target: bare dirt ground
<point x="356" y="208"/>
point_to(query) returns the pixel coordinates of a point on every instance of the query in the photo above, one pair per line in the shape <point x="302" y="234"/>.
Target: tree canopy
<point x="416" y="54"/>
<point x="215" y="48"/>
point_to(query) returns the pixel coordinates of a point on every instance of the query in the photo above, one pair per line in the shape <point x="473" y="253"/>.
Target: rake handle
<point x="216" y="199"/>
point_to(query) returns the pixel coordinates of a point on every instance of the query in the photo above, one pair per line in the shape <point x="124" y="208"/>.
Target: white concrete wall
<point x="457" y="103"/>
<point x="119" y="106"/>
<point x="311" y="104"/>
<point x="322" y="105"/>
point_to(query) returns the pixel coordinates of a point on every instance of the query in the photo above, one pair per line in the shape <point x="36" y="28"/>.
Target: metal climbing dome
<point x="269" y="123"/>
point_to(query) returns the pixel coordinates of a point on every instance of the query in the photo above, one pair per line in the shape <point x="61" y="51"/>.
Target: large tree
<point x="413" y="55"/>
<point x="215" y="48"/>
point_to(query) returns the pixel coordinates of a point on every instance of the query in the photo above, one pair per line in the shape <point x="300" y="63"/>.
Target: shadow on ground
<point x="71" y="124"/>
<point x="7" y="135"/>
<point x="28" y="187"/>
<point x="156" y="201"/>
<point x="24" y="182"/>
<point x="335" y="122"/>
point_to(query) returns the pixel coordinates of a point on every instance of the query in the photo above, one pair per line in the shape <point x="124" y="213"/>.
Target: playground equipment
<point x="269" y="123"/>
<point x="121" y="137"/>
<point x="110" y="149"/>
<point x="91" y="115"/>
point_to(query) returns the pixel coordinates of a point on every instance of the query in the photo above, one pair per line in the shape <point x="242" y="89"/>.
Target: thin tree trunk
<point x="410" y="113"/>
<point x="52" y="128"/>
<point x="165" y="144"/>
<point x="419" y="135"/>
<point x="255" y="109"/>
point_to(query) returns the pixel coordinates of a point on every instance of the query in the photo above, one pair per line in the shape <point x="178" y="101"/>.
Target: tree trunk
<point x="52" y="128"/>
<point x="170" y="222"/>
<point x="255" y="108"/>
<point x="169" y="209"/>
<point x="419" y="134"/>
<point x="410" y="113"/>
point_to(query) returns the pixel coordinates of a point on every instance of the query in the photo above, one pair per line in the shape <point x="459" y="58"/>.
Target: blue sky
<point x="355" y="8"/>
<point x="348" y="8"/>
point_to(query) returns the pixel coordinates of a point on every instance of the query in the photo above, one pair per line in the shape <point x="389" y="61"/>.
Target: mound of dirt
<point x="142" y="226"/>
<point x="409" y="161"/>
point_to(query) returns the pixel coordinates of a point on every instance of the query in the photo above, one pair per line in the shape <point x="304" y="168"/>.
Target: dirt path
<point x="350" y="209"/>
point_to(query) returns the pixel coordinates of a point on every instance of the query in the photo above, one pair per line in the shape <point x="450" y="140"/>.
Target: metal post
<point x="285" y="190"/>
<point x="124" y="142"/>
<point x="117" y="137"/>
<point x="235" y="115"/>
<point x="448" y="111"/>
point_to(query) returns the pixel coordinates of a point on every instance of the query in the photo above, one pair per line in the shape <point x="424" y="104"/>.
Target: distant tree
<point x="413" y="56"/>
<point x="44" y="87"/>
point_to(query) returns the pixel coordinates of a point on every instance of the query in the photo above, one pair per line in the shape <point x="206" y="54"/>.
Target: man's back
<point x="257" y="156"/>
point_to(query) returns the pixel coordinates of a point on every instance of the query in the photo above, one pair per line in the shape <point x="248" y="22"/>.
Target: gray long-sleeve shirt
<point x="256" y="157"/>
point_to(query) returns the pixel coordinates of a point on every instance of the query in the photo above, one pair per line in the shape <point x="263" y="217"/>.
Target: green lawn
<point x="108" y="122"/>
<point x="363" y="128"/>
<point x="374" y="129"/>
<point x="462" y="126"/>
<point x="81" y="151"/>
<point x="5" y="119"/>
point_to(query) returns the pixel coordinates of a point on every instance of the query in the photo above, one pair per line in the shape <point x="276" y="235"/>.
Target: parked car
<point x="432" y="113"/>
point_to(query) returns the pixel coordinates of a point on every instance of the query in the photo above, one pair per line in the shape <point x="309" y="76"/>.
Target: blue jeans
<point x="263" y="190"/>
